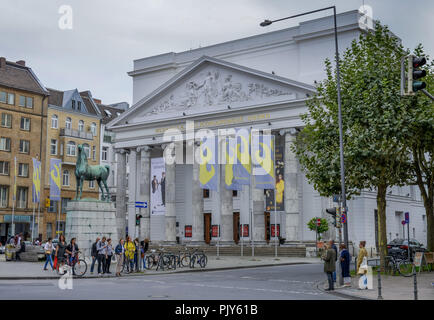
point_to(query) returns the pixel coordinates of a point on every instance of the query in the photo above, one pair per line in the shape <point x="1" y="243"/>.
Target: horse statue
<point x="83" y="172"/>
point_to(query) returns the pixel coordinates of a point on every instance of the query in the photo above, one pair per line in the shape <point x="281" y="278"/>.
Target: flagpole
<point x="39" y="210"/>
<point x="275" y="196"/>
<point x="33" y="222"/>
<point x="14" y="196"/>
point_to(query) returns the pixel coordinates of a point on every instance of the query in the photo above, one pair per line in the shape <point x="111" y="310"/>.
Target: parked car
<point x="399" y="247"/>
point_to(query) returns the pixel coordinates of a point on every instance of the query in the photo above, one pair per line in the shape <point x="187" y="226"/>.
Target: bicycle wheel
<point x="80" y="268"/>
<point x="150" y="262"/>
<point x="193" y="259"/>
<point x="203" y="261"/>
<point x="185" y="261"/>
<point x="405" y="268"/>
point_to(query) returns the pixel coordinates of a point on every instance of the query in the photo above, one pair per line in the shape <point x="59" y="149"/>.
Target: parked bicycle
<point x="198" y="257"/>
<point x="400" y="265"/>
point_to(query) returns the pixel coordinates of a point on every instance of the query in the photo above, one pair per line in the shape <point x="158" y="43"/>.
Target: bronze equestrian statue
<point x="83" y="172"/>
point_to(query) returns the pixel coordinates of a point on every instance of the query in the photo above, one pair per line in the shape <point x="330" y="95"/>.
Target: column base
<point x="196" y="243"/>
<point x="224" y="243"/>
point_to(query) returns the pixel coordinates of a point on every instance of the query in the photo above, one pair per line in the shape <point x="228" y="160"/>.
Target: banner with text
<point x="158" y="186"/>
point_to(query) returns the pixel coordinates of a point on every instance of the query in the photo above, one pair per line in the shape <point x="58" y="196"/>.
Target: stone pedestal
<point x="86" y="220"/>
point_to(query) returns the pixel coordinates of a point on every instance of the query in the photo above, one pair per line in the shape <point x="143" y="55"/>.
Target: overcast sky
<point x="107" y="35"/>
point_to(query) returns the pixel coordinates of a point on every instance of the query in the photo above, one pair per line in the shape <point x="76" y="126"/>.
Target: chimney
<point x="21" y="63"/>
<point x="2" y="62"/>
<point x="97" y="100"/>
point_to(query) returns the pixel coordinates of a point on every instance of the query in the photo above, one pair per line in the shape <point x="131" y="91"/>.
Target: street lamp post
<point x="338" y="83"/>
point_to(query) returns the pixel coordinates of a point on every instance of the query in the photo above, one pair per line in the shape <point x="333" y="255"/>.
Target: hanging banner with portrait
<point x="280" y="183"/>
<point x="158" y="187"/>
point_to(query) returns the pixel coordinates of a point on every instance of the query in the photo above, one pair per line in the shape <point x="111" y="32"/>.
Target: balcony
<point x="76" y="134"/>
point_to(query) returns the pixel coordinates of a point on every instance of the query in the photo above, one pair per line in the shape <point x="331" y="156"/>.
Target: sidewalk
<point x="392" y="288"/>
<point x="34" y="270"/>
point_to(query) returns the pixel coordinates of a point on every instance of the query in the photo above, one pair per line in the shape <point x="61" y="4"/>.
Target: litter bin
<point x="10" y="252"/>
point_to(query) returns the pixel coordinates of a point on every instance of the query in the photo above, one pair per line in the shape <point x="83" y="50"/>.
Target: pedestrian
<point x="345" y="265"/>
<point x="72" y="251"/>
<point x="329" y="257"/>
<point x="108" y="256"/>
<point x="100" y="247"/>
<point x="60" y="251"/>
<point x="94" y="254"/>
<point x="48" y="249"/>
<point x="119" y="251"/>
<point x="129" y="253"/>
<point x="362" y="253"/>
<point x="22" y="248"/>
<point x="144" y="248"/>
<point x="336" y="251"/>
<point x="136" y="253"/>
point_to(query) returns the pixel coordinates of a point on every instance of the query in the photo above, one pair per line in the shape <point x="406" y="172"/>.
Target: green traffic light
<point x="418" y="85"/>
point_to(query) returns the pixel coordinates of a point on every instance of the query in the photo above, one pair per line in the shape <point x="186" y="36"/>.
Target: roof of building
<point x="17" y="75"/>
<point x="108" y="113"/>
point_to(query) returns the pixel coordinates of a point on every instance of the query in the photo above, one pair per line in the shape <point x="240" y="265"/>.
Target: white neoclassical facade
<point x="260" y="82"/>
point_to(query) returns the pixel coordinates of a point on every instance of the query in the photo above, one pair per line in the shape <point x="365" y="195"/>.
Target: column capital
<point x="291" y="131"/>
<point x="121" y="150"/>
<point x="143" y="148"/>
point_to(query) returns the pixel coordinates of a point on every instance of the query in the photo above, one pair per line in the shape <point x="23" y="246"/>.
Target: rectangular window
<point x="5" y="144"/>
<point x="91" y="184"/>
<point x="104" y="154"/>
<point x="64" y="204"/>
<point x="25" y="124"/>
<point x="93" y="153"/>
<point x="6" y="120"/>
<point x="49" y="230"/>
<point x="53" y="206"/>
<point x="78" y="105"/>
<point x="234" y="193"/>
<point x="29" y="102"/>
<point x="4" y="167"/>
<point x="22" y="197"/>
<point x="53" y="147"/>
<point x="11" y="98"/>
<point x="3" y="96"/>
<point x="73" y="104"/>
<point x="24" y="146"/>
<point x="206" y="193"/>
<point x="22" y="101"/>
<point x="23" y="170"/>
<point x="4" y="196"/>
<point x="65" y="180"/>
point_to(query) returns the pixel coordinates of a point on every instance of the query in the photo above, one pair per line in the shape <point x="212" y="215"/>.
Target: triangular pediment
<point x="210" y="85"/>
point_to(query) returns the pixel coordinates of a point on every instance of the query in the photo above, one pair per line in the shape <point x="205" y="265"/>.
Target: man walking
<point x="94" y="254"/>
<point x="329" y="257"/>
<point x="101" y="248"/>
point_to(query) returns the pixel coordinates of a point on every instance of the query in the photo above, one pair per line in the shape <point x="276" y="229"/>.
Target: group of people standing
<point x="126" y="251"/>
<point x="330" y="257"/>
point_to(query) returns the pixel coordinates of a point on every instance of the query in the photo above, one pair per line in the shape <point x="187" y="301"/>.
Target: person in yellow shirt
<point x="362" y="253"/>
<point x="130" y="249"/>
<point x="280" y="187"/>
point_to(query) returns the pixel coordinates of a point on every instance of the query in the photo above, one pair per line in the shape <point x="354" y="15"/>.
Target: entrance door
<point x="236" y="227"/>
<point x="267" y="226"/>
<point x="207" y="227"/>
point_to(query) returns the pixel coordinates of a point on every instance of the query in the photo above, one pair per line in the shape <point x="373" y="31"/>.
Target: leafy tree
<point x="323" y="227"/>
<point x="373" y="115"/>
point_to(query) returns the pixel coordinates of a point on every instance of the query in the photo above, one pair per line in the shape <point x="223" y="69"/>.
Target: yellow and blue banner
<point x="263" y="161"/>
<point x="36" y="190"/>
<point x="231" y="158"/>
<point x="55" y="187"/>
<point x="208" y="166"/>
<point x="242" y="167"/>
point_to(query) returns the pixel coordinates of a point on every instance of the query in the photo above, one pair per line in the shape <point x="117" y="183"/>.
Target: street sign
<point x="336" y="198"/>
<point x="318" y="222"/>
<point x="403" y="222"/>
<point x="407" y="217"/>
<point x="141" y="204"/>
<point x="373" y="262"/>
<point x="344" y="217"/>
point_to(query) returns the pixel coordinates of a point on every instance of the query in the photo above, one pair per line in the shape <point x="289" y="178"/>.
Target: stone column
<point x="226" y="207"/>
<point x="145" y="189"/>
<point x="258" y="216"/>
<point x="121" y="190"/>
<point x="197" y="208"/>
<point x="292" y="211"/>
<point x="170" y="216"/>
<point x="132" y="164"/>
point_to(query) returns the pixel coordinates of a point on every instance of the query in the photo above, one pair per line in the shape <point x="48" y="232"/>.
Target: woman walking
<point x="48" y="249"/>
<point x="130" y="249"/>
<point x="345" y="265"/>
<point x="60" y="251"/>
<point x="119" y="251"/>
<point x="362" y="253"/>
<point x="108" y="256"/>
<point x="144" y="245"/>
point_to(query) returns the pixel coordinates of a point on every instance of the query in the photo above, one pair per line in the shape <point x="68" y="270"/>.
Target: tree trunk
<point x="429" y="209"/>
<point x="382" y="233"/>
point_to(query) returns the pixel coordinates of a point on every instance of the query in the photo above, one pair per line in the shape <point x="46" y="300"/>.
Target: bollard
<point x="379" y="284"/>
<point x="415" y="284"/>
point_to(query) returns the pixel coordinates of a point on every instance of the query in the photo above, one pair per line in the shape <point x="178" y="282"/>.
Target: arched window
<point x="86" y="149"/>
<point x="93" y="128"/>
<point x="68" y="123"/>
<point x="54" y="121"/>
<point x="81" y="125"/>
<point x="70" y="148"/>
<point x="65" y="177"/>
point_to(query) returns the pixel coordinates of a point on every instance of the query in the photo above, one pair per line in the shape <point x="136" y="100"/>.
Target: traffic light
<point x="47" y="202"/>
<point x="138" y="216"/>
<point x="332" y="211"/>
<point x="413" y="73"/>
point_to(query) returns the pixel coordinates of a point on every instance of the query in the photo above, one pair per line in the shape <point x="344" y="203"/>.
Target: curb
<point x="156" y="273"/>
<point x="320" y="287"/>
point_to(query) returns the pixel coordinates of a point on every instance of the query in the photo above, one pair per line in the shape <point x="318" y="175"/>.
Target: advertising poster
<point x="215" y="231"/>
<point x="158" y="187"/>
<point x="280" y="183"/>
<point x="273" y="231"/>
<point x="188" y="231"/>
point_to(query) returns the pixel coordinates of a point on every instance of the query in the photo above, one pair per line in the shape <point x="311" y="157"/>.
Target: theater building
<point x="260" y="82"/>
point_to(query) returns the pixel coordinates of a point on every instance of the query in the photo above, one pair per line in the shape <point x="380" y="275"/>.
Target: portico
<point x="209" y="94"/>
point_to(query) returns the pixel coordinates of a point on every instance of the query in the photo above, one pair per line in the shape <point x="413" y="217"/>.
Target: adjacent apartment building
<point x="23" y="105"/>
